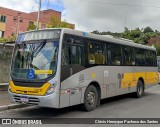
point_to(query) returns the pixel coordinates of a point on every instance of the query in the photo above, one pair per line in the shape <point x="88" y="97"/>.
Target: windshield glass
<point x="34" y="61"/>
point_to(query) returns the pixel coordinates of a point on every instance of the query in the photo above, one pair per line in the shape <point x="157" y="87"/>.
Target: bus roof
<point x="106" y="38"/>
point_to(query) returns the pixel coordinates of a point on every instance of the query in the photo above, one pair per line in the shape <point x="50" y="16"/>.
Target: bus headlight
<point x="9" y="87"/>
<point x="50" y="90"/>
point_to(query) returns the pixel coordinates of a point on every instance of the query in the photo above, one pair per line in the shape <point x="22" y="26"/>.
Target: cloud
<point x="112" y="15"/>
<point x="20" y="5"/>
<point x="102" y="15"/>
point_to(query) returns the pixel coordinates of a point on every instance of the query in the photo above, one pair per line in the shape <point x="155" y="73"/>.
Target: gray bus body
<point x="81" y="64"/>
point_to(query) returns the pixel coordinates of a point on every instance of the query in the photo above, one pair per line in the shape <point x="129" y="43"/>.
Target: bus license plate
<point x="24" y="99"/>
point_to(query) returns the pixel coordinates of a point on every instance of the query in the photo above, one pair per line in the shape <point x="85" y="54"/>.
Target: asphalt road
<point x="124" y="106"/>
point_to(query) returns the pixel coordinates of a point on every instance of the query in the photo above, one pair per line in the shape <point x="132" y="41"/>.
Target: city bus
<point x="58" y="68"/>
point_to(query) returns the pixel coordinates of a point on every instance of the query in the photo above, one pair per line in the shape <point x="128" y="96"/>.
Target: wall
<point x="5" y="60"/>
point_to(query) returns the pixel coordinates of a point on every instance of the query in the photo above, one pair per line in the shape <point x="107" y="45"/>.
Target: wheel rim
<point x="140" y="89"/>
<point x="91" y="97"/>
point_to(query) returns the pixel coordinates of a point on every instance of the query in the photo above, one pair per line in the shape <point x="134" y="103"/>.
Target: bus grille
<point x="31" y="100"/>
<point x="28" y="84"/>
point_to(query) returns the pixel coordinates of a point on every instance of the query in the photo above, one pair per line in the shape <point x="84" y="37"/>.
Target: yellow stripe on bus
<point x="130" y="79"/>
<point x="40" y="91"/>
<point x="43" y="72"/>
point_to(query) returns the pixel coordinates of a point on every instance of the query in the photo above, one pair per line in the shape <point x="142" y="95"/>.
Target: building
<point x="13" y="22"/>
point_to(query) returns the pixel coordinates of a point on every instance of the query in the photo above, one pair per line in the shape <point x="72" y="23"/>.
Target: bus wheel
<point x="90" y="98"/>
<point x="139" y="90"/>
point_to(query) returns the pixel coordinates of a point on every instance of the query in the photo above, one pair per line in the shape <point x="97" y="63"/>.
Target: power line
<point x="117" y="4"/>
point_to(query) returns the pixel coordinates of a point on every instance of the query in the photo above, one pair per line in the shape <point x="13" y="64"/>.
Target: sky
<point x="101" y="15"/>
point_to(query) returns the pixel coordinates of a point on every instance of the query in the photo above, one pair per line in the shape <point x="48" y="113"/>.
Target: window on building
<point x="31" y="23"/>
<point x="21" y="20"/>
<point x="2" y="18"/>
<point x="1" y="34"/>
<point x="14" y="18"/>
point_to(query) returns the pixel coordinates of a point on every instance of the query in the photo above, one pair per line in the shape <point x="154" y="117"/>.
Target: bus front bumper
<point x="51" y="101"/>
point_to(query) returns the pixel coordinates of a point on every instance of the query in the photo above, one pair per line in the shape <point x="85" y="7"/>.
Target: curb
<point x="12" y="106"/>
<point x="3" y="88"/>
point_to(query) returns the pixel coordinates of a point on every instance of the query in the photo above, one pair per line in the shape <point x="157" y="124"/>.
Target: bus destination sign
<point x="39" y="35"/>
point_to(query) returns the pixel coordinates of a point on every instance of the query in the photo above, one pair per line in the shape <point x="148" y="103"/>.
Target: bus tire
<point x="90" y="98"/>
<point x="139" y="90"/>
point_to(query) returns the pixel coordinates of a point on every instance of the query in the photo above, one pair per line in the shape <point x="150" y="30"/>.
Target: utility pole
<point x="125" y="14"/>
<point x="39" y="9"/>
<point x="17" y="19"/>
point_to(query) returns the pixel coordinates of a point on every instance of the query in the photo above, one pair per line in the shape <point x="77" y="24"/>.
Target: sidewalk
<point x="4" y="98"/>
<point x="5" y="103"/>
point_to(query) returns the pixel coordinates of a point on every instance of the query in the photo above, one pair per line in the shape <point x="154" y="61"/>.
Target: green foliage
<point x="3" y="40"/>
<point x="31" y="27"/>
<point x="141" y="36"/>
<point x="64" y="24"/>
<point x="56" y="22"/>
<point x="95" y="32"/>
<point x="157" y="49"/>
<point x="9" y="39"/>
<point x="106" y="33"/>
<point x="148" y="30"/>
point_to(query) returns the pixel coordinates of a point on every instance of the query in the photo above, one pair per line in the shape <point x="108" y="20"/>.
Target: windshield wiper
<point x="38" y="48"/>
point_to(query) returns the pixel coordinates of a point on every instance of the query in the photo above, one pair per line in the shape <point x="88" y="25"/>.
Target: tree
<point x="157" y="49"/>
<point x="31" y="27"/>
<point x="95" y="32"/>
<point x="56" y="22"/>
<point x="64" y="24"/>
<point x="148" y="30"/>
<point x="145" y="36"/>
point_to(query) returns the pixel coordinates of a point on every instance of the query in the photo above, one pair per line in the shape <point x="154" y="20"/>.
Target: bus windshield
<point x="34" y="61"/>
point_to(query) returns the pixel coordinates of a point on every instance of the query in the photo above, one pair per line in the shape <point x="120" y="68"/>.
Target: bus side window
<point x="96" y="55"/>
<point x="128" y="56"/>
<point x="65" y="55"/>
<point x="140" y="57"/>
<point x="76" y="55"/>
<point x="114" y="54"/>
<point x="149" y="58"/>
<point x="154" y="58"/>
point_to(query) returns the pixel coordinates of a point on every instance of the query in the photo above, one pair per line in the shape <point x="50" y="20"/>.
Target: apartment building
<point x="13" y="22"/>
